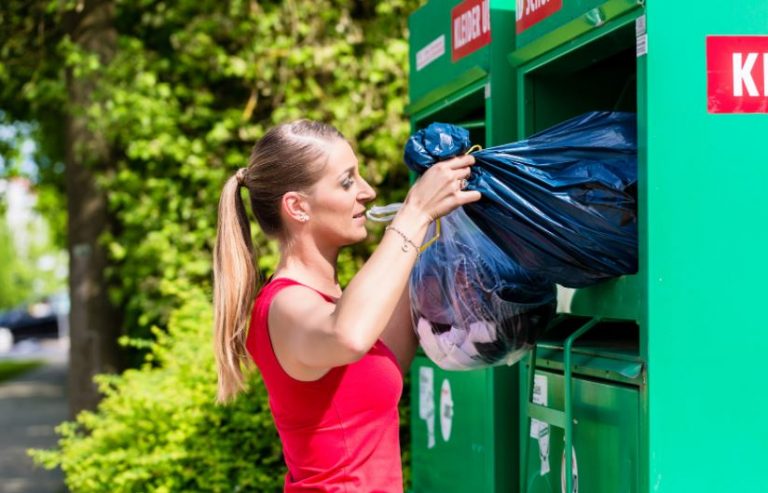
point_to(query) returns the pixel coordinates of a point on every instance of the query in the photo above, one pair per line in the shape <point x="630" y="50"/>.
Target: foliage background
<point x="193" y="84"/>
<point x="33" y="262"/>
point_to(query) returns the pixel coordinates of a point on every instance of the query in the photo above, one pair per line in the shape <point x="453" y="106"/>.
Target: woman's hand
<point x="439" y="190"/>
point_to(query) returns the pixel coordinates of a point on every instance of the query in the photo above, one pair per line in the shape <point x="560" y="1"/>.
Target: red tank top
<point x="339" y="433"/>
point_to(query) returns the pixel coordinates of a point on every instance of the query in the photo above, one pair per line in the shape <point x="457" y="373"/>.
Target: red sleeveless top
<point x="339" y="433"/>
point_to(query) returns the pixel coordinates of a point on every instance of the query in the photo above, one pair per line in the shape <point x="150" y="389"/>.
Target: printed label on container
<point x="540" y="429"/>
<point x="737" y="74"/>
<point x="427" y="402"/>
<point x="574" y="472"/>
<point x="430" y="53"/>
<point x="640" y="26"/>
<point x="446" y="410"/>
<point x="641" y="45"/>
<point x="530" y="12"/>
<point x="470" y="27"/>
<point x="641" y="42"/>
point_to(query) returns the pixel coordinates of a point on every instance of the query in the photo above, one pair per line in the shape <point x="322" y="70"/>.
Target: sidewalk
<point x="31" y="405"/>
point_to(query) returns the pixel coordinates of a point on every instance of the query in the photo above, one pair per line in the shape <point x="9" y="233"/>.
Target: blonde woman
<point x="332" y="360"/>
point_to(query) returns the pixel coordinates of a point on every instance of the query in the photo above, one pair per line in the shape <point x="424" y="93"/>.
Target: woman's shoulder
<point x="285" y="300"/>
<point x="277" y="284"/>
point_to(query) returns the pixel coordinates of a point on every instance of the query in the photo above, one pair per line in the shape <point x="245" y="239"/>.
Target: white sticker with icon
<point x="540" y="429"/>
<point x="574" y="472"/>
<point x="427" y="402"/>
<point x="446" y="410"/>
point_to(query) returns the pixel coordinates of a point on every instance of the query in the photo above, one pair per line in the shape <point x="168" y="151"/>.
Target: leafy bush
<point x="159" y="430"/>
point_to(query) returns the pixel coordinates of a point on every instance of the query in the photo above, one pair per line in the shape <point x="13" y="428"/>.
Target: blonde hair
<point x="285" y="159"/>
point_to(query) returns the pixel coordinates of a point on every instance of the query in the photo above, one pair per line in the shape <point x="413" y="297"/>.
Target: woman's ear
<point x="295" y="207"/>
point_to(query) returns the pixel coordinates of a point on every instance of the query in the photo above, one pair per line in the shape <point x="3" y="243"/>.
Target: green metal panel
<point x="426" y="25"/>
<point x="609" y="352"/>
<point x="481" y="454"/>
<point x="586" y="348"/>
<point x="642" y="276"/>
<point x="435" y="84"/>
<point x="707" y="236"/>
<point x="575" y="18"/>
<point x="605" y="439"/>
<point x="501" y="93"/>
<point x="465" y="107"/>
<point x="478" y="451"/>
<point x="478" y="93"/>
<point x="617" y="298"/>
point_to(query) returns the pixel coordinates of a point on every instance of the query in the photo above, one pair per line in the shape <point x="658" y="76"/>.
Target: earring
<point x="303" y="218"/>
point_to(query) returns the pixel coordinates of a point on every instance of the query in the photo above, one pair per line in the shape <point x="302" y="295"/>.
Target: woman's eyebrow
<point x="347" y="171"/>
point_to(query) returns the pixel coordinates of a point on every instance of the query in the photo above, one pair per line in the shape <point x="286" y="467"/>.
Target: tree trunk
<point x="95" y="323"/>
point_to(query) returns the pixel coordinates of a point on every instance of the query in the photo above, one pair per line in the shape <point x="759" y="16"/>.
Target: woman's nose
<point x="368" y="193"/>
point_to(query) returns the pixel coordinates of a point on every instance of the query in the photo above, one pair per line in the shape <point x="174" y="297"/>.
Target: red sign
<point x="470" y="27"/>
<point x="737" y="74"/>
<point x="529" y="12"/>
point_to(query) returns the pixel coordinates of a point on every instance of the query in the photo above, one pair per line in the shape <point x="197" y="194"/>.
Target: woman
<point x="332" y="361"/>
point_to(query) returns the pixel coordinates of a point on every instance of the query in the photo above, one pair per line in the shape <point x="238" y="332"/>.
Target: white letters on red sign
<point x="530" y="12"/>
<point x="470" y="27"/>
<point x="533" y="5"/>
<point x="742" y="74"/>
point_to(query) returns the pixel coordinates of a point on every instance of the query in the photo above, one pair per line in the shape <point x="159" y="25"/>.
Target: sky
<point x="27" y="148"/>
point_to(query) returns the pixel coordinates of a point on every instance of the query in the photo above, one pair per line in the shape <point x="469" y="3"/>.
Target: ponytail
<point x="234" y="288"/>
<point x="290" y="156"/>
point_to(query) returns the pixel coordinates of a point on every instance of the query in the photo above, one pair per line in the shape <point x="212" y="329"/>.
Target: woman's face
<point x="337" y="201"/>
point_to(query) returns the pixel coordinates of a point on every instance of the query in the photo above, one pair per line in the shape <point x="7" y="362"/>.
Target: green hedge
<point x="158" y="428"/>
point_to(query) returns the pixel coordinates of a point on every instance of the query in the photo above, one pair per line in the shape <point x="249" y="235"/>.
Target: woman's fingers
<point x="442" y="188"/>
<point x="464" y="172"/>
<point x="469" y="196"/>
<point x="460" y="162"/>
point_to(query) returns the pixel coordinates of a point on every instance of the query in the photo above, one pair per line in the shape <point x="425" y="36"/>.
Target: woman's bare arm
<point x="311" y="335"/>
<point x="399" y="335"/>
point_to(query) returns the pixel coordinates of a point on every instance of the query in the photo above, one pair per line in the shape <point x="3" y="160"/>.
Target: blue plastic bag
<point x="472" y="305"/>
<point x="561" y="203"/>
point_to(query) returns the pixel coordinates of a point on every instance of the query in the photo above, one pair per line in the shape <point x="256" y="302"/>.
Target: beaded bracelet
<point x="406" y="240"/>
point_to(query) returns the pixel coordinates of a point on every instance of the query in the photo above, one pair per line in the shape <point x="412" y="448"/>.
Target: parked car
<point x="36" y="320"/>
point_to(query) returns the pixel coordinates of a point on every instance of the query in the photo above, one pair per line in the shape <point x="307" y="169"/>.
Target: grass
<point x="10" y="369"/>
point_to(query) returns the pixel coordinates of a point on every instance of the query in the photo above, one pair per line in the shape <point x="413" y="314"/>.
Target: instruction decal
<point x="737" y="74"/>
<point x="540" y="429"/>
<point x="641" y="36"/>
<point x="446" y="410"/>
<point x="427" y="402"/>
<point x="430" y="53"/>
<point x="574" y="472"/>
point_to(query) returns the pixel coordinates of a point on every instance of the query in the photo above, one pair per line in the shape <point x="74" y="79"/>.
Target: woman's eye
<point x="348" y="182"/>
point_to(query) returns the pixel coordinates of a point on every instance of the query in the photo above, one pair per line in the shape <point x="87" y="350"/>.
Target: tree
<point x="95" y="323"/>
<point x="38" y="33"/>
